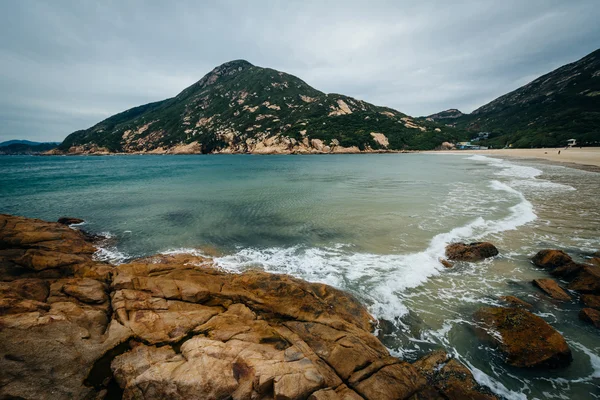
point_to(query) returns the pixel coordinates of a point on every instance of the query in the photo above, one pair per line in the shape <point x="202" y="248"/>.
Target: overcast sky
<point x="66" y="65"/>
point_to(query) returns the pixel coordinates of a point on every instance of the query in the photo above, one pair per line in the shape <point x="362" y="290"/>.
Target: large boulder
<point x="551" y="288"/>
<point x="526" y="339"/>
<point x="470" y="252"/>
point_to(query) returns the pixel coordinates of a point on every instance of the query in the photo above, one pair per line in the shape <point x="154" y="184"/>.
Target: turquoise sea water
<point x="374" y="225"/>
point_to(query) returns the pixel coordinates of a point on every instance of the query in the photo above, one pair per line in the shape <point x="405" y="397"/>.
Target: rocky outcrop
<point x="256" y="334"/>
<point x="470" y="252"/>
<point x="177" y="327"/>
<point x="551" y="288"/>
<point x="510" y="329"/>
<point x="54" y="311"/>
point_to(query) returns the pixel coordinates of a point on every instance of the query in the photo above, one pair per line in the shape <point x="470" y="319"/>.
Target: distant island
<point x="13" y="147"/>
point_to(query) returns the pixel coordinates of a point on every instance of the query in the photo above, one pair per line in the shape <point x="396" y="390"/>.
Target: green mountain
<point x="242" y="108"/>
<point x="561" y="105"/>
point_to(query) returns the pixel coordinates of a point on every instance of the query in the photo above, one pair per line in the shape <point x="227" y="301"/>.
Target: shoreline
<point x="587" y="158"/>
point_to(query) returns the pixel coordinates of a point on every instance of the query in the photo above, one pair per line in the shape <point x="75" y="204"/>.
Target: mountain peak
<point x="234" y="65"/>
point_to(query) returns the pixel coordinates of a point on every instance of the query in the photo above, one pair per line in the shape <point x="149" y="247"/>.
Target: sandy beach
<point x="584" y="158"/>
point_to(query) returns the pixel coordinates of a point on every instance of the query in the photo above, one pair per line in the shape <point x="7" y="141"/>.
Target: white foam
<point x="110" y="255"/>
<point x="380" y="279"/>
<point x="184" y="250"/>
<point x="525" y="176"/>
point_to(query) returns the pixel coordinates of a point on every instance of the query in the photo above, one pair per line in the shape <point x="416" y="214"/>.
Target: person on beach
<point x="559" y="152"/>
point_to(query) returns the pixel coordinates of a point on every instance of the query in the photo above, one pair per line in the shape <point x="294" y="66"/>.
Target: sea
<point x="374" y="225"/>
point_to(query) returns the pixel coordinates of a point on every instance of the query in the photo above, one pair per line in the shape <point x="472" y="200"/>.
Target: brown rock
<point x="86" y="290"/>
<point x="590" y="315"/>
<point x="558" y="262"/>
<point x="595" y="261"/>
<point x="591" y="301"/>
<point x="398" y="381"/>
<point x="49" y="338"/>
<point x="526" y="339"/>
<point x="470" y="252"/>
<point x="446" y="263"/>
<point x="551" y="288"/>
<point x="69" y="220"/>
<point x="587" y="280"/>
<point x="516" y="302"/>
<point x="551" y="259"/>
<point x="447" y="378"/>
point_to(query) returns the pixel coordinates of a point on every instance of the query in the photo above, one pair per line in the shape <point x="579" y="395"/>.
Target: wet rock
<point x="591" y="301"/>
<point x="526" y="339"/>
<point x="558" y="262"/>
<point x="550" y="259"/>
<point x="447" y="378"/>
<point x="587" y="280"/>
<point x="446" y="263"/>
<point x="470" y="252"/>
<point x="551" y="288"/>
<point x="516" y="302"/>
<point x="70" y="220"/>
<point x="590" y="315"/>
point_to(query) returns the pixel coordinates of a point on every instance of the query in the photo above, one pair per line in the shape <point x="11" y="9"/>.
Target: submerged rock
<point x="590" y="315"/>
<point x="551" y="288"/>
<point x="558" y="262"/>
<point x="591" y="301"/>
<point x="470" y="252"/>
<point x="587" y="280"/>
<point x="584" y="278"/>
<point x="516" y="302"/>
<point x="70" y="220"/>
<point x="526" y="339"/>
<point x="447" y="378"/>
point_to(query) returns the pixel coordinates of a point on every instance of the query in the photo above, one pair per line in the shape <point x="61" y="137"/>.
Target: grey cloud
<point x="68" y="64"/>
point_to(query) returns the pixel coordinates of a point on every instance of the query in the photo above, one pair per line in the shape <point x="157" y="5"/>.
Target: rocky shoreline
<point x="178" y="327"/>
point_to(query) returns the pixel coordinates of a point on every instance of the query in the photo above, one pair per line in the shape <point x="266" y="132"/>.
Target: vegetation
<point x="238" y="103"/>
<point x="561" y="105"/>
